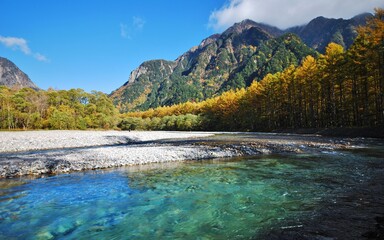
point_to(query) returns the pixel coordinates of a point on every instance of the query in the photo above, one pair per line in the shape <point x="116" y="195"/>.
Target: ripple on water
<point x="211" y="199"/>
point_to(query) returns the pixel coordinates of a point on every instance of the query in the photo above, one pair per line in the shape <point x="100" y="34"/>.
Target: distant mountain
<point x="319" y="32"/>
<point x="245" y="52"/>
<point x="12" y="76"/>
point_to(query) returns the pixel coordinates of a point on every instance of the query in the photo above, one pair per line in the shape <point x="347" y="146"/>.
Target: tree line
<point x="73" y="109"/>
<point x="337" y="89"/>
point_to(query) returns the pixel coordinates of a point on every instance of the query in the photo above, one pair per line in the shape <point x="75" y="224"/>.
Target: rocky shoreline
<point x="53" y="152"/>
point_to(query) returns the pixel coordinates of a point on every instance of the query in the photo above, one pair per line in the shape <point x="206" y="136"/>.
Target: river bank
<point x="53" y="152"/>
<point x="350" y="132"/>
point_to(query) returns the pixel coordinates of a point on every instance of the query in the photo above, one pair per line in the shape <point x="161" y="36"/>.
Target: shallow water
<point x="231" y="199"/>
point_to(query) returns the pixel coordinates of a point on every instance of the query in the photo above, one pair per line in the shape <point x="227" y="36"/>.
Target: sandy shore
<point x="50" y="152"/>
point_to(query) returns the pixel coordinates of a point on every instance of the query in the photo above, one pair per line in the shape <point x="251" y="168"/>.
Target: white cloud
<point x="287" y="13"/>
<point x="138" y="23"/>
<point x="128" y="31"/>
<point x="40" y="57"/>
<point x="16" y="44"/>
<point x="124" y="31"/>
<point x="20" y="44"/>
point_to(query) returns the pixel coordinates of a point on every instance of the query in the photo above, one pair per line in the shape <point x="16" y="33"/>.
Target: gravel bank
<point x="51" y="152"/>
<point x="42" y="152"/>
<point x="41" y="140"/>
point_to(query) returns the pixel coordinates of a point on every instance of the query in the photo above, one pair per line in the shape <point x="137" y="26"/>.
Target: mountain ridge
<point x="321" y="30"/>
<point x="242" y="53"/>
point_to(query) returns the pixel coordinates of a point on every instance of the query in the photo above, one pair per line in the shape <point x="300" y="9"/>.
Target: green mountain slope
<point x="245" y="52"/>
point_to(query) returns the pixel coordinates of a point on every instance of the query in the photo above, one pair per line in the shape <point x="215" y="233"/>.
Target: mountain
<point x="319" y="32"/>
<point x="12" y="76"/>
<point x="245" y="52"/>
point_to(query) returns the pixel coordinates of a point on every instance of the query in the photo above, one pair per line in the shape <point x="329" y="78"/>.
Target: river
<point x="331" y="194"/>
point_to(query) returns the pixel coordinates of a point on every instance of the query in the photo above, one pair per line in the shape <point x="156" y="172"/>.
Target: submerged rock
<point x="45" y="235"/>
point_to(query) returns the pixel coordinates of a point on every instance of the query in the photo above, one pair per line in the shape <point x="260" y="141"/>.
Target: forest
<point x="341" y="88"/>
<point x="337" y="89"/>
<point x="73" y="109"/>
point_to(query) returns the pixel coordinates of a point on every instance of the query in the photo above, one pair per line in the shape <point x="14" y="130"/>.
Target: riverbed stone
<point x="53" y="152"/>
<point x="45" y="235"/>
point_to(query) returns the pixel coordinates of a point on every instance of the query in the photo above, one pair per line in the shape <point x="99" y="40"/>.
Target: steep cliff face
<point x="245" y="52"/>
<point x="12" y="76"/>
<point x="144" y="80"/>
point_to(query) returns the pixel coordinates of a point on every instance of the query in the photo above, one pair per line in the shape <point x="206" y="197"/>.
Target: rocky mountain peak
<point x="244" y="25"/>
<point x="247" y="24"/>
<point x="362" y="18"/>
<point x="146" y="67"/>
<point x="12" y="76"/>
<point x="142" y="69"/>
<point x="209" y="40"/>
<point x="321" y="30"/>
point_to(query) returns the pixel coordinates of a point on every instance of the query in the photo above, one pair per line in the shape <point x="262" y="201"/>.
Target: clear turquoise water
<point x="232" y="199"/>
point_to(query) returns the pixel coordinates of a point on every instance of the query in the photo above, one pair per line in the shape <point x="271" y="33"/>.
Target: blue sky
<point x="95" y="44"/>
